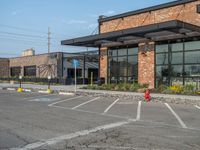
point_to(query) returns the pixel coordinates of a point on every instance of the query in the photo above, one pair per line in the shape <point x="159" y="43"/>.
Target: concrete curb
<point x="175" y="99"/>
<point x="67" y="93"/>
<point x="27" y="90"/>
<point x="11" y="89"/>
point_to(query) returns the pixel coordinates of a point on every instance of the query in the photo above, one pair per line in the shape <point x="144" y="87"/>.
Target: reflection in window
<point x="177" y="47"/>
<point x="112" y="53"/>
<point x="176" y="70"/>
<point x="123" y="71"/>
<point x="192" y="57"/>
<point x="177" y="58"/>
<point x="162" y="58"/>
<point x="15" y="71"/>
<point x="132" y="51"/>
<point x="122" y="61"/>
<point x="162" y="48"/>
<point x="192" y="70"/>
<point x="194" y="45"/>
<point x="30" y="71"/>
<point x="112" y="61"/>
<point x="123" y="67"/>
<point x="162" y="71"/>
<point x="122" y="52"/>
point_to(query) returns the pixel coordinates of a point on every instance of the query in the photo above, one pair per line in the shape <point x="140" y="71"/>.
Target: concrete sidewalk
<point x="41" y="87"/>
<point x="70" y="88"/>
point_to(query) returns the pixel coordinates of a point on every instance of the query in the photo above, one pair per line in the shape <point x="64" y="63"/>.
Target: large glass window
<point x="192" y="70"/>
<point x="30" y="71"/>
<point x="192" y="57"/>
<point x="162" y="48"/>
<point x="178" y="63"/>
<point x="123" y="65"/>
<point x="176" y="58"/>
<point x="193" y="45"/>
<point x="162" y="58"/>
<point x="15" y="71"/>
<point x="71" y="73"/>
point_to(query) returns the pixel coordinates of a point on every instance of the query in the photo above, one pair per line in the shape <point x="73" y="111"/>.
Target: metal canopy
<point x="169" y="30"/>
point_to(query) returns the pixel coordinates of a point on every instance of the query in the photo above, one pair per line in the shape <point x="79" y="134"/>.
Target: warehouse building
<point x="154" y="46"/>
<point x="58" y="65"/>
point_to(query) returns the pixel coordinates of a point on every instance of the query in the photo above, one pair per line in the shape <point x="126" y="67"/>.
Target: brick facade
<point x="39" y="60"/>
<point x="103" y="63"/>
<point x="146" y="74"/>
<point x="4" y="67"/>
<point x="184" y="12"/>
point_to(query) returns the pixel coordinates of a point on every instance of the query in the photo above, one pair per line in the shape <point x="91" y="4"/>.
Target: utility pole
<point x="49" y="40"/>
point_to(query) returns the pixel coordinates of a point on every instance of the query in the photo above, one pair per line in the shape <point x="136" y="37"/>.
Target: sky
<point x="24" y="23"/>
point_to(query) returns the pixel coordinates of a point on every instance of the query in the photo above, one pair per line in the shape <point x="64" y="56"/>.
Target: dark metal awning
<point x="155" y="32"/>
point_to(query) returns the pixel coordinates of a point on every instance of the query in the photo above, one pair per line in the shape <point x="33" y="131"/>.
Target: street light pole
<point x="49" y="84"/>
<point x="20" y="81"/>
<point x="20" y="84"/>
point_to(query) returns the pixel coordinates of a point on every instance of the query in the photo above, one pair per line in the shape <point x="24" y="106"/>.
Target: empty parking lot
<point x="39" y="121"/>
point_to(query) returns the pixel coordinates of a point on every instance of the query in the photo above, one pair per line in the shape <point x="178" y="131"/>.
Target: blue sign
<point x="75" y="63"/>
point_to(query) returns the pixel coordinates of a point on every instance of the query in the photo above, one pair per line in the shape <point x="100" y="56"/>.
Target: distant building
<point x="56" y="65"/>
<point x="4" y="67"/>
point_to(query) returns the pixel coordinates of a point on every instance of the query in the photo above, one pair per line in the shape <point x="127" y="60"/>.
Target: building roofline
<point x="77" y="53"/>
<point x="140" y="32"/>
<point x="152" y="8"/>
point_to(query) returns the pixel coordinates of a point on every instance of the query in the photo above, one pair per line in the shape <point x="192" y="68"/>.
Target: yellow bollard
<point x="19" y="90"/>
<point x="49" y="91"/>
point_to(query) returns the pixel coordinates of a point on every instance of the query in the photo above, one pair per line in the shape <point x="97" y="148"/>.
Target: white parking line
<point x="86" y="102"/>
<point x="198" y="107"/>
<point x="176" y="116"/>
<point x="59" y="139"/>
<point x="37" y="96"/>
<point x="109" y="107"/>
<point x="64" y="100"/>
<point x="92" y="112"/>
<point x="139" y="110"/>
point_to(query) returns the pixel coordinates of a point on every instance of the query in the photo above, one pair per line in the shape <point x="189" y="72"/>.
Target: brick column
<point x="146" y="65"/>
<point x="103" y="63"/>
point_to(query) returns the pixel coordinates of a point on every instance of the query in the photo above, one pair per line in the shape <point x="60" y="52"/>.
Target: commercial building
<point x="4" y="67"/>
<point x="58" y="65"/>
<point x="155" y="45"/>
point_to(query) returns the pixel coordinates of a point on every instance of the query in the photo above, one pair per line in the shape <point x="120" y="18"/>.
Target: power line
<point x="19" y="34"/>
<point x="29" y="42"/>
<point x="21" y="28"/>
<point x="30" y="30"/>
<point x="22" y="38"/>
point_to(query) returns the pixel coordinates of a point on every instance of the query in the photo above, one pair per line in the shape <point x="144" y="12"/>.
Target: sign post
<point x="75" y="63"/>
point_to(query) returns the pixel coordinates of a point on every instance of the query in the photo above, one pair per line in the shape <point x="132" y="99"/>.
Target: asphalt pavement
<point x="43" y="121"/>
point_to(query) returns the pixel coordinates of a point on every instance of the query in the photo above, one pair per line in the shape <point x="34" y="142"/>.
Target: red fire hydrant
<point x="147" y="95"/>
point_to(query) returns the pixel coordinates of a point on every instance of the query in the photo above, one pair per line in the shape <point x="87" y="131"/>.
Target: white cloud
<point x="74" y="21"/>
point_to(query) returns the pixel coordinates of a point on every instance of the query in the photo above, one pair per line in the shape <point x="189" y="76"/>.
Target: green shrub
<point x="188" y="89"/>
<point x="176" y="89"/>
<point x="162" y="88"/>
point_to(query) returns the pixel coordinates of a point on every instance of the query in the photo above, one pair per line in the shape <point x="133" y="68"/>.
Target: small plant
<point x="162" y="88"/>
<point x="176" y="89"/>
<point x="189" y="89"/>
